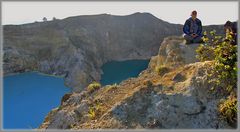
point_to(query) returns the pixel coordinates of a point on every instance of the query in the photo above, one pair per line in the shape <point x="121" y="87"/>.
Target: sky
<point x="174" y="12"/>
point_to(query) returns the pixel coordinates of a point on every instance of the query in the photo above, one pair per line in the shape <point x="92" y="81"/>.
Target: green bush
<point x="92" y="112"/>
<point x="225" y="65"/>
<point x="205" y="52"/>
<point x="93" y="86"/>
<point x="224" y="71"/>
<point x="228" y="109"/>
<point x="95" y="110"/>
<point x="224" y="55"/>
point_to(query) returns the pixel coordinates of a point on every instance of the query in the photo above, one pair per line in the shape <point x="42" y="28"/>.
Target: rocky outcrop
<point x="174" y="52"/>
<point x="76" y="47"/>
<point x="178" y="99"/>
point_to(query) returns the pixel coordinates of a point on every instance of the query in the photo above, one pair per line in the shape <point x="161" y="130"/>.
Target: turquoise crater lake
<point x="117" y="71"/>
<point x="28" y="97"/>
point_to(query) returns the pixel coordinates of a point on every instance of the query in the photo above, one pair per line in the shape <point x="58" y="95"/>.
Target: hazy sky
<point x="174" y="12"/>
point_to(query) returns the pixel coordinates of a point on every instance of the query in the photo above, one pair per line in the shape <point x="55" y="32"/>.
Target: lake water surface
<point x="117" y="71"/>
<point x="28" y="97"/>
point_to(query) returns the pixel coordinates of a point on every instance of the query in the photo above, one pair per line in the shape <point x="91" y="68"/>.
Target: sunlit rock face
<point x="179" y="99"/>
<point x="174" y="52"/>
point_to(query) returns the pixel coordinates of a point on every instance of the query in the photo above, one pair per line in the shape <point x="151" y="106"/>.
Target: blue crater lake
<point x="28" y="97"/>
<point x="117" y="71"/>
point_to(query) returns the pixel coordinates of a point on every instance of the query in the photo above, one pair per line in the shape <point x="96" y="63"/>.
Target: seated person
<point x="193" y="29"/>
<point x="231" y="28"/>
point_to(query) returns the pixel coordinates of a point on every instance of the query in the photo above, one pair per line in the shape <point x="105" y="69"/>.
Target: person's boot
<point x="198" y="41"/>
<point x="189" y="41"/>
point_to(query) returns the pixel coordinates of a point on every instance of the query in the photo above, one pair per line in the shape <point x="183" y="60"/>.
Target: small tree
<point x="54" y="18"/>
<point x="44" y="19"/>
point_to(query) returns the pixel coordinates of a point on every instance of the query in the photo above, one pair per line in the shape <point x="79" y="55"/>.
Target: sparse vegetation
<point x="161" y="70"/>
<point x="95" y="109"/>
<point x="224" y="71"/>
<point x="228" y="109"/>
<point x="205" y="52"/>
<point x="93" y="86"/>
<point x="224" y="53"/>
<point x="92" y="113"/>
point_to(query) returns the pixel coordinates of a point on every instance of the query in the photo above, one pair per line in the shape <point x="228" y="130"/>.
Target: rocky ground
<point x="178" y="97"/>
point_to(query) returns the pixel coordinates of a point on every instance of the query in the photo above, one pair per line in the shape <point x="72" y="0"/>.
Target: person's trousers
<point x="191" y="39"/>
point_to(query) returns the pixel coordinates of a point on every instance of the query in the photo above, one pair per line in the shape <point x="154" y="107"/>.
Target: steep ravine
<point x="177" y="98"/>
<point x="76" y="47"/>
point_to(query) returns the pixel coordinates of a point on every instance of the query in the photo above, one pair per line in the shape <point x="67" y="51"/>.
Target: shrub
<point x="98" y="105"/>
<point x="224" y="55"/>
<point x="93" y="86"/>
<point x="224" y="71"/>
<point x="205" y="52"/>
<point x="161" y="70"/>
<point x="228" y="109"/>
<point x="92" y="113"/>
<point x="95" y="109"/>
<point x="225" y="66"/>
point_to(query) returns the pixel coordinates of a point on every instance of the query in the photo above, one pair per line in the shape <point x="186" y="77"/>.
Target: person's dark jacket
<point x="188" y="25"/>
<point x="233" y="26"/>
<point x="234" y="29"/>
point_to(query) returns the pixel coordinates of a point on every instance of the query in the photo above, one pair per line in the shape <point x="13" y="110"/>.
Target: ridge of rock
<point x="178" y="99"/>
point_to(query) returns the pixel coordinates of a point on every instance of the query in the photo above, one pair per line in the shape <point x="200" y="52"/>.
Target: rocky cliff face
<point x="77" y="47"/>
<point x="178" y="98"/>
